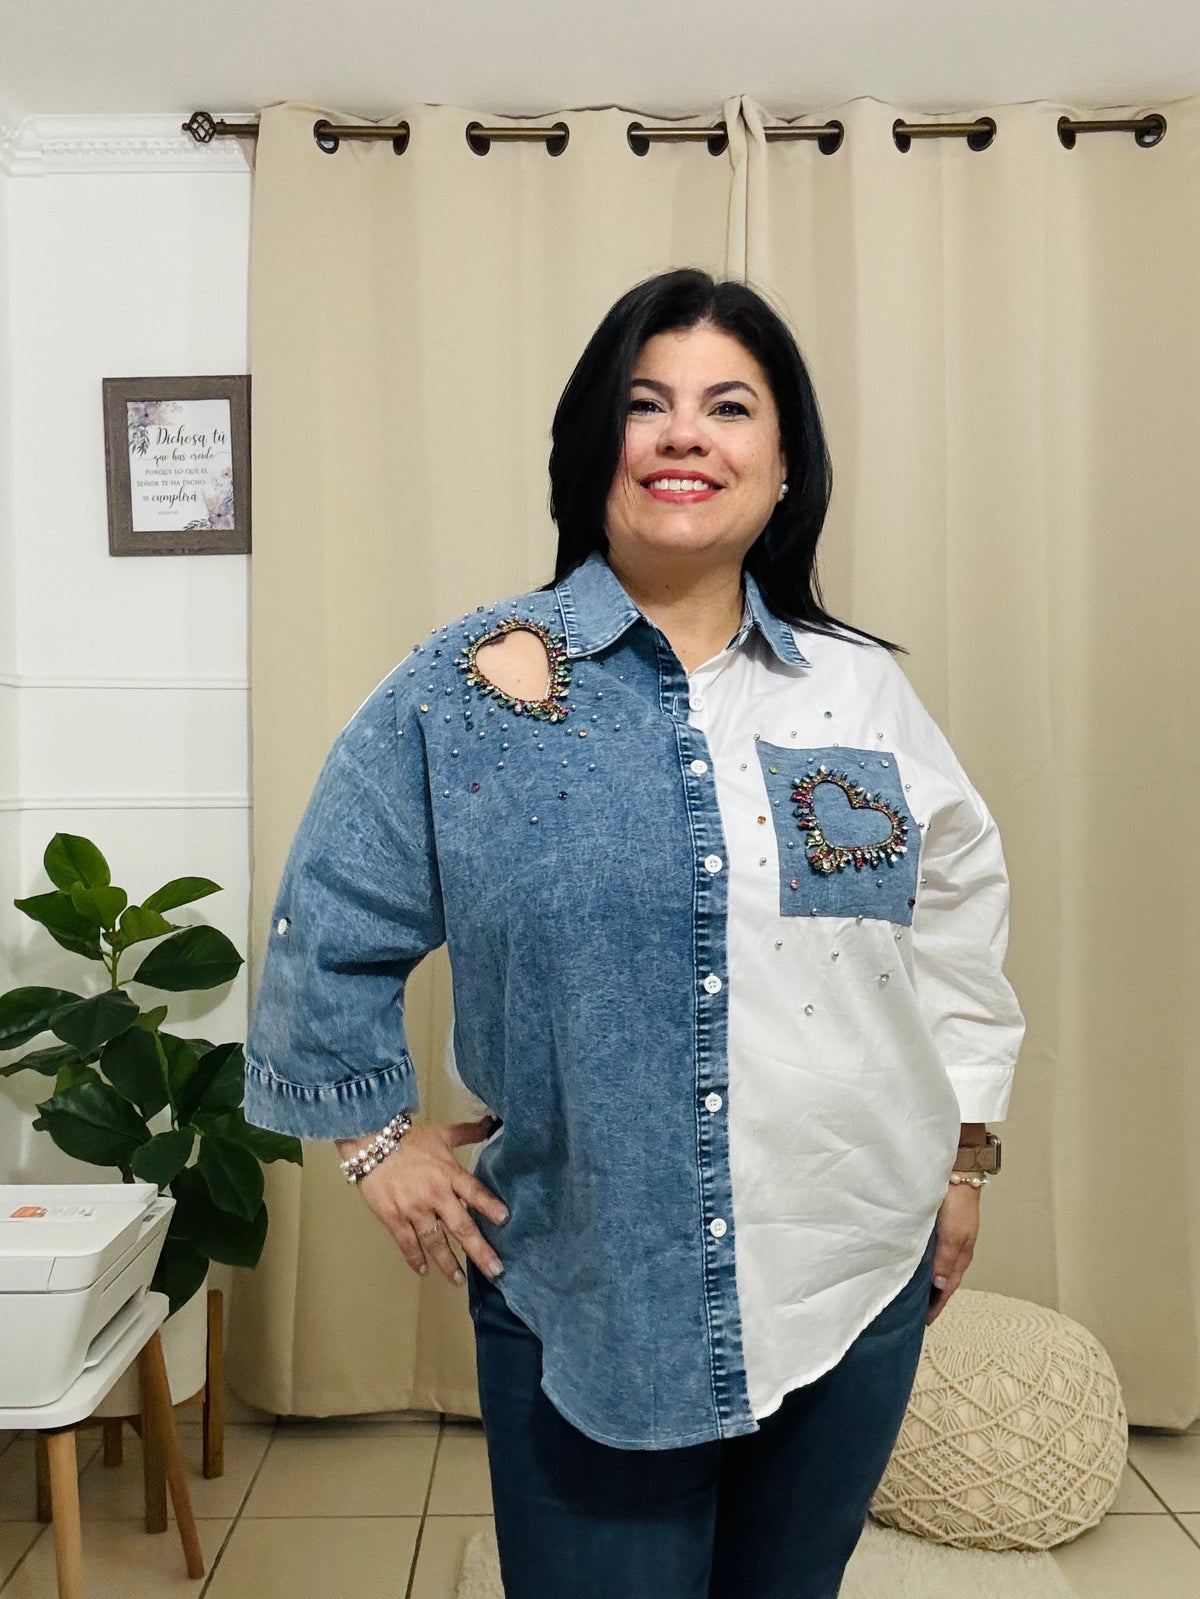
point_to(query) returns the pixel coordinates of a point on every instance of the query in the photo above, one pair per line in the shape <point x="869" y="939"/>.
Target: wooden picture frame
<point x="177" y="462"/>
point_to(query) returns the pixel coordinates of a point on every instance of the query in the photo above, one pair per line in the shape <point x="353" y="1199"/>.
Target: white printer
<point x="75" y="1262"/>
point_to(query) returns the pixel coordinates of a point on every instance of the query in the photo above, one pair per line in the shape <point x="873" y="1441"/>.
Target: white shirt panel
<point x="856" y="1045"/>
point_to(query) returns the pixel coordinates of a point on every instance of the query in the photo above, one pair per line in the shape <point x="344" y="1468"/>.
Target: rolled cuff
<point x="329" y="1110"/>
<point x="983" y="1092"/>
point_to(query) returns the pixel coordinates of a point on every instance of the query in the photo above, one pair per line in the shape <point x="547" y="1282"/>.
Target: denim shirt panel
<point x="359" y="904"/>
<point x="578" y="943"/>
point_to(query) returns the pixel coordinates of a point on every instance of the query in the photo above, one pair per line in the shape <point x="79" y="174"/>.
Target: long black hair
<point x="588" y="435"/>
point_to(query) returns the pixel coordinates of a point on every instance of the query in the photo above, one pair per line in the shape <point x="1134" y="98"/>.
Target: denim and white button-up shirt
<point x="726" y="959"/>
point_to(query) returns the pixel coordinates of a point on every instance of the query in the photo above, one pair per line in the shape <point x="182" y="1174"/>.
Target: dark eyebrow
<point x="716" y="388"/>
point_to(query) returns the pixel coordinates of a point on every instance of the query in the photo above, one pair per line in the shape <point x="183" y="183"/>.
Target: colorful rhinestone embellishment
<point x="551" y="709"/>
<point x="826" y="857"/>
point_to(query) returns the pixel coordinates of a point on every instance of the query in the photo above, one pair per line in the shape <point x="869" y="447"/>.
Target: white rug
<point x="886" y="1564"/>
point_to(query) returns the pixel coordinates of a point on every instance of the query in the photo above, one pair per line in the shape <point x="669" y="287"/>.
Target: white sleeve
<point x="960" y="931"/>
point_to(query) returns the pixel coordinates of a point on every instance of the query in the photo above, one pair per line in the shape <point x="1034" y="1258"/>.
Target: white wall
<point x="123" y="706"/>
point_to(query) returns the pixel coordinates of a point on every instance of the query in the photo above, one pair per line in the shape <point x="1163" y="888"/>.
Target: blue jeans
<point x="774" y="1514"/>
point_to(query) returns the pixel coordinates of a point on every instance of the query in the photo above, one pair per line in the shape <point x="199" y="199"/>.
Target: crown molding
<point x="40" y="146"/>
<point x="125" y="802"/>
<point x="230" y="685"/>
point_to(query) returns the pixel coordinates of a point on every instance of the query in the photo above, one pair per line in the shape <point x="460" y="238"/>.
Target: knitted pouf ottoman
<point x="1015" y="1435"/>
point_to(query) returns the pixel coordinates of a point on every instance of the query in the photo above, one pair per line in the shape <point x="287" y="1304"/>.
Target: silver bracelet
<point x="355" y="1167"/>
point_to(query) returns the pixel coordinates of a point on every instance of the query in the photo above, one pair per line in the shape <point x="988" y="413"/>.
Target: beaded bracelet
<point x="976" y="1180"/>
<point x="355" y="1167"/>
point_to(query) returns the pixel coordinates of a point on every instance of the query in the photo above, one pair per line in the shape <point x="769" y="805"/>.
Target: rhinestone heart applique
<point x="826" y="857"/>
<point x="553" y="707"/>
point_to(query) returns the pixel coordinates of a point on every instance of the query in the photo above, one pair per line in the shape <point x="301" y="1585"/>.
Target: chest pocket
<point x="847" y="843"/>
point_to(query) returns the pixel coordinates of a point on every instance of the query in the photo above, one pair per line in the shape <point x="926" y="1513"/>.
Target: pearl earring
<point x="782" y="490"/>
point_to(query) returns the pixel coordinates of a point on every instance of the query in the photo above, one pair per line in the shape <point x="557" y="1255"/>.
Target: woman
<point x="726" y="923"/>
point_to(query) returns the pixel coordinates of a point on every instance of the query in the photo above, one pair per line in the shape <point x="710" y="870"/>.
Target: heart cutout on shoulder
<point x="519" y="697"/>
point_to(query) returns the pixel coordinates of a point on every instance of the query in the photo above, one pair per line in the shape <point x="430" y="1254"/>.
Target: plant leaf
<point x="266" y="1146"/>
<point x="63" y="922"/>
<point x="180" y="891"/>
<point x="163" y="1157"/>
<point x="233" y="1176"/>
<point x="132" y="1065"/>
<point x="179" y="1061"/>
<point x="93" y="1123"/>
<point x="26" y="1012"/>
<point x="223" y="1237"/>
<point x="89" y="1023"/>
<point x="151" y="1020"/>
<point x="216" y="1085"/>
<point x="197" y="957"/>
<point x="180" y="1271"/>
<point x="138" y="924"/>
<point x="74" y="1073"/>
<point x="69" y="859"/>
<point x="99" y="905"/>
<point x="47" y="1061"/>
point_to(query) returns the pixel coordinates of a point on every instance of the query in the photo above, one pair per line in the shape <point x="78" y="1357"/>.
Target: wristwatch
<point x="979" y="1157"/>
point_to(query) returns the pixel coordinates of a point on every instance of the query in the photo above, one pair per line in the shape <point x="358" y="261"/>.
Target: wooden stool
<point x="211" y="1397"/>
<point x="58" y="1475"/>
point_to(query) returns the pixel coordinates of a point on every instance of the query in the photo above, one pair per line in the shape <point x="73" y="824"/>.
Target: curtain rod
<point x="1147" y="130"/>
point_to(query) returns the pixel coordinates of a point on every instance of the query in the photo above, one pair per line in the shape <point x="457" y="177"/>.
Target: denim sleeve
<point x="359" y="905"/>
<point x="960" y="930"/>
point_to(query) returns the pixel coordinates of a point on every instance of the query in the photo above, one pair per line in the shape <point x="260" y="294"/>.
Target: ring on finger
<point x="429" y="1232"/>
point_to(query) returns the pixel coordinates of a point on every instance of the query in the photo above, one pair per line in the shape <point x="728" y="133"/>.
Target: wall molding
<point x="126" y="802"/>
<point x="40" y="146"/>
<point x="174" y="685"/>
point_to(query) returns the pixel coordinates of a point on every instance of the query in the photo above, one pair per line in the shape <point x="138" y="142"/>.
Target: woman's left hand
<point x="957" y="1230"/>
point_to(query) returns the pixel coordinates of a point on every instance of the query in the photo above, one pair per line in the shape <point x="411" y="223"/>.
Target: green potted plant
<point x="116" y="1071"/>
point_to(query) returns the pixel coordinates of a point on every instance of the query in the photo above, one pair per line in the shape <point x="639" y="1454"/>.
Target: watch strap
<point x="979" y="1157"/>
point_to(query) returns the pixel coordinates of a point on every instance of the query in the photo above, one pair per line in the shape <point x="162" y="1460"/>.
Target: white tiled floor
<point x="387" y="1506"/>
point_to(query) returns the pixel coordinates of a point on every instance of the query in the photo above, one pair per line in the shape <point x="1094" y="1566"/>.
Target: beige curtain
<point x="1005" y="345"/>
<point x="413" y="321"/>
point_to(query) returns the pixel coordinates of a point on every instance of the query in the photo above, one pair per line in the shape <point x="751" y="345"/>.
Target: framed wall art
<point x="177" y="457"/>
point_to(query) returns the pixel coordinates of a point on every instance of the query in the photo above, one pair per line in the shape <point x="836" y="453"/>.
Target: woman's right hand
<point x="420" y="1193"/>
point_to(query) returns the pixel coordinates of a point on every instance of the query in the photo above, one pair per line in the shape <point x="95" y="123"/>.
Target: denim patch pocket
<point x="847" y="844"/>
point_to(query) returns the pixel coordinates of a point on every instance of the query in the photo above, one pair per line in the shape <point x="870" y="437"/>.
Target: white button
<point x="281" y="926"/>
<point x="713" y="863"/>
<point x="717" y="1227"/>
<point x="712" y="984"/>
<point x="713" y="1102"/>
<point x="696" y="702"/>
<point x="699" y="767"/>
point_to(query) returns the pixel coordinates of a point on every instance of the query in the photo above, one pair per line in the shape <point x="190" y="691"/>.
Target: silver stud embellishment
<point x="808" y="1010"/>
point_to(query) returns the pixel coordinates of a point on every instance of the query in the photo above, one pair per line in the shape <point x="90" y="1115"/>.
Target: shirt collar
<point x="596" y="610"/>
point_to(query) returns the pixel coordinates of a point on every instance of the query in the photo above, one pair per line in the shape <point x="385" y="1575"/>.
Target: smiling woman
<point x="725" y="921"/>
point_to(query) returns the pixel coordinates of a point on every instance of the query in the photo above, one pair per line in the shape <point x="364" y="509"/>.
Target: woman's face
<point x="702" y="465"/>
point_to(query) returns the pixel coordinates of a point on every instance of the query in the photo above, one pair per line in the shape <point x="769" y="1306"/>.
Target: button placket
<point x="728" y="1373"/>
